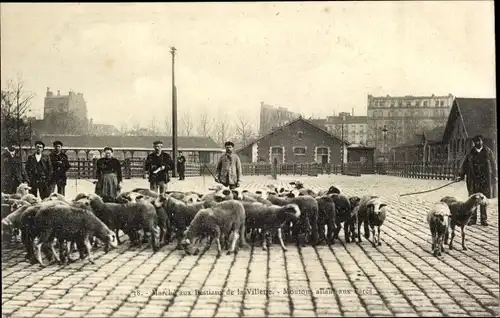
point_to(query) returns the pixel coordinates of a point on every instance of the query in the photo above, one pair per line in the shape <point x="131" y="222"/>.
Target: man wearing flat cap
<point x="156" y="167"/>
<point x="480" y="168"/>
<point x="13" y="172"/>
<point x="228" y="171"/>
<point x="60" y="166"/>
<point x="39" y="169"/>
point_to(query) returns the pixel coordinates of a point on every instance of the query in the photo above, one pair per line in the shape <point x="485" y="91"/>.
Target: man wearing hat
<point x="13" y="172"/>
<point x="39" y="169"/>
<point x="480" y="168"/>
<point x="156" y="168"/>
<point x="60" y="166"/>
<point x="228" y="170"/>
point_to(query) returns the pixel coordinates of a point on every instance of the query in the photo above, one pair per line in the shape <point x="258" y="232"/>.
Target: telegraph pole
<point x="174" y="115"/>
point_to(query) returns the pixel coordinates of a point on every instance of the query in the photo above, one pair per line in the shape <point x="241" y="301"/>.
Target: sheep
<point x="326" y="216"/>
<point x="437" y="218"/>
<point x="219" y="195"/>
<point x="10" y="214"/>
<point x="269" y="218"/>
<point x="21" y="190"/>
<point x="226" y="218"/>
<point x="333" y="189"/>
<point x="371" y="212"/>
<point x="146" y="192"/>
<point x="180" y="214"/>
<point x="72" y="224"/>
<point x="308" y="222"/>
<point x="128" y="217"/>
<point x="344" y="214"/>
<point x="461" y="212"/>
<point x="55" y="197"/>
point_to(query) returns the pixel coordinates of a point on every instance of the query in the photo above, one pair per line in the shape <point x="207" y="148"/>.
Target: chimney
<point x="353" y="111"/>
<point x="58" y="93"/>
<point x="49" y="93"/>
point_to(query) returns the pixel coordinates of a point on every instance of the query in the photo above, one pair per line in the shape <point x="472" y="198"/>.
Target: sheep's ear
<point x="244" y="191"/>
<point x="292" y="183"/>
<point x="382" y="205"/>
<point x="139" y="197"/>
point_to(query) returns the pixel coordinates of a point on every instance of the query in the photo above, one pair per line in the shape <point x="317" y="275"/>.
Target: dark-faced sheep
<point x="326" y="217"/>
<point x="332" y="190"/>
<point x="70" y="224"/>
<point x="372" y="212"/>
<point x="437" y="218"/>
<point x="226" y="218"/>
<point x="461" y="213"/>
<point x="308" y="221"/>
<point x="345" y="214"/>
<point x="129" y="217"/>
<point x="180" y="214"/>
<point x="269" y="218"/>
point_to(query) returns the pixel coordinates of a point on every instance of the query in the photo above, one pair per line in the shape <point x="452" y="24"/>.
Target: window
<point x="322" y="151"/>
<point x="393" y="104"/>
<point x="299" y="151"/>
<point x="437" y="103"/>
<point x="441" y="103"/>
<point x="417" y="103"/>
<point x="300" y="134"/>
<point x="276" y="151"/>
<point x="400" y="103"/>
<point x="425" y="103"/>
<point x="408" y="104"/>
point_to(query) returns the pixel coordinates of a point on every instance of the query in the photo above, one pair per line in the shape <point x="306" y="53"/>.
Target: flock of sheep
<point x="230" y="217"/>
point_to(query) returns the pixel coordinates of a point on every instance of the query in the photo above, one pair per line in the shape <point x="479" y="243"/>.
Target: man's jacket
<point x="229" y="169"/>
<point x="60" y="166"/>
<point x="13" y="171"/>
<point x="153" y="162"/>
<point x="39" y="170"/>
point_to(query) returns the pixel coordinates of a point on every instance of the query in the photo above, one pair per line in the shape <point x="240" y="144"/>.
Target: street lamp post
<point x="384" y="131"/>
<point x="342" y="146"/>
<point x="174" y="115"/>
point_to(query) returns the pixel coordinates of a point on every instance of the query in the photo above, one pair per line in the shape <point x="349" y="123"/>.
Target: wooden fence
<point x="134" y="168"/>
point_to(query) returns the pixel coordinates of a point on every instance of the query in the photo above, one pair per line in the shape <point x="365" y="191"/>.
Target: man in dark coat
<point x="181" y="165"/>
<point x="13" y="172"/>
<point x="60" y="166"/>
<point x="480" y="168"/>
<point x="39" y="169"/>
<point x="156" y="167"/>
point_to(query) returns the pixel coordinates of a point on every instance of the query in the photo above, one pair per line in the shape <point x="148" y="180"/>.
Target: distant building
<point x="404" y="117"/>
<point x="102" y="129"/>
<point x="65" y="113"/>
<point x="355" y="127"/>
<point x="272" y="117"/>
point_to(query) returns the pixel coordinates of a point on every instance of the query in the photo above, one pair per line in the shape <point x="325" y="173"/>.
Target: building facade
<point x="65" y="113"/>
<point x="355" y="127"/>
<point x="403" y="118"/>
<point x="272" y="117"/>
<point x="299" y="141"/>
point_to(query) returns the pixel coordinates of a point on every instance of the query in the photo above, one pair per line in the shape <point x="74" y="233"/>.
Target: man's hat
<point x="477" y="138"/>
<point x="57" y="143"/>
<point x="229" y="143"/>
<point x="157" y="142"/>
<point x="38" y="142"/>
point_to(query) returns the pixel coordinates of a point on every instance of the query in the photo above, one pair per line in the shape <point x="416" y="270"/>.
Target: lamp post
<point x="384" y="132"/>
<point x="342" y="146"/>
<point x="174" y="115"/>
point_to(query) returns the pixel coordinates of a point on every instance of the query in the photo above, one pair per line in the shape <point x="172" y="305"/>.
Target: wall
<point x="311" y="138"/>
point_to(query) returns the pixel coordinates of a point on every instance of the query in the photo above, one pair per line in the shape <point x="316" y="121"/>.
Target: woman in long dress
<point x="109" y="176"/>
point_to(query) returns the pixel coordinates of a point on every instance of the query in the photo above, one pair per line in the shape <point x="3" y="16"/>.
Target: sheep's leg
<point x="338" y="227"/>
<point x="242" y="237"/>
<point x="145" y="236"/>
<point x="217" y="241"/>
<point x="264" y="240"/>
<point x="155" y="232"/>
<point x="236" y="236"/>
<point x="462" y="229"/>
<point x="54" y="252"/>
<point x="44" y="238"/>
<point x="347" y="226"/>
<point x="441" y="243"/>
<point x="208" y="244"/>
<point x="178" y="235"/>
<point x="88" y="248"/>
<point x="117" y="236"/>
<point x="379" y="243"/>
<point x="62" y="251"/>
<point x="360" y="222"/>
<point x="450" y="246"/>
<point x="373" y="234"/>
<point x="281" y="240"/>
<point x="314" y="229"/>
<point x="433" y="248"/>
<point x="366" y="227"/>
<point x="331" y="228"/>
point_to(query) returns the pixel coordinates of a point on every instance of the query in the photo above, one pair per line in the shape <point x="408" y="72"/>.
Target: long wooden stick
<point x="454" y="181"/>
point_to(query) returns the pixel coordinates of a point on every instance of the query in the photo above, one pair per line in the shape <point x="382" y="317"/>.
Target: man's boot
<point x="473" y="218"/>
<point x="484" y="215"/>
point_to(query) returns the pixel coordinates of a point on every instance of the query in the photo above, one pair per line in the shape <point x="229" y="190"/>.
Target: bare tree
<point x="222" y="129"/>
<point x="205" y="123"/>
<point x="153" y="128"/>
<point x="187" y="124"/>
<point x="136" y="129"/>
<point x="244" y="130"/>
<point x="124" y="128"/>
<point x="15" y="107"/>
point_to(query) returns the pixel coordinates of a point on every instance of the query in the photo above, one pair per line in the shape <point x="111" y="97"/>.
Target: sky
<point x="315" y="58"/>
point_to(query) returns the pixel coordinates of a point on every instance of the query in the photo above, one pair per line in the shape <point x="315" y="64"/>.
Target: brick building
<point x="404" y="117"/>
<point x="299" y="141"/>
<point x="65" y="113"/>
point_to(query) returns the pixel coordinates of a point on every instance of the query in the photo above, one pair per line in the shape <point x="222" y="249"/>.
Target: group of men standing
<point x="43" y="173"/>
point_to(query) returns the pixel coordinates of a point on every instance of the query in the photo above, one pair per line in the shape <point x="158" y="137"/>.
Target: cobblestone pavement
<point x="399" y="278"/>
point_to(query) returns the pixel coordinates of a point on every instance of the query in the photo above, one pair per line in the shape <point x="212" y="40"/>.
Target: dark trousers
<point x="155" y="185"/>
<point x="40" y="185"/>
<point x="482" y="212"/>
<point x="61" y="187"/>
<point x="9" y="186"/>
<point x="181" y="174"/>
